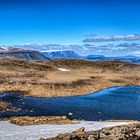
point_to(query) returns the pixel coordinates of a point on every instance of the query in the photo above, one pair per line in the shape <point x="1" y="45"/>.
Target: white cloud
<point x="112" y="38"/>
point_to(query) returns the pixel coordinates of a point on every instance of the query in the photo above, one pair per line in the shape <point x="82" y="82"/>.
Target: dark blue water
<point x="114" y="103"/>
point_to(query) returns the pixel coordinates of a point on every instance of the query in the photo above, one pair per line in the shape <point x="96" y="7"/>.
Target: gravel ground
<point x="12" y="132"/>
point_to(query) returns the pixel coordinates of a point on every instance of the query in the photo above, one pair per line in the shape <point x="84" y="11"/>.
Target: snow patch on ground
<point x="61" y="69"/>
<point x="49" y="51"/>
<point x="12" y="132"/>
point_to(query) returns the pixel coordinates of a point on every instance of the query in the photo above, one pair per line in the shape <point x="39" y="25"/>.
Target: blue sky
<point x="66" y="21"/>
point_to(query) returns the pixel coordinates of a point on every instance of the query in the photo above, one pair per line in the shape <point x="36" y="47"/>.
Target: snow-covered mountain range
<point x="59" y="51"/>
<point x="57" y="54"/>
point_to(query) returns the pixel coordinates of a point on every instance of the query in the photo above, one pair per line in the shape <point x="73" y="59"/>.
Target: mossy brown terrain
<point x="26" y="120"/>
<point x="4" y="106"/>
<point x="44" y="79"/>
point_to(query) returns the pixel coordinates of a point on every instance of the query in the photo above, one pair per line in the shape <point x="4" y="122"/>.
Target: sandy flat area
<point x="12" y="132"/>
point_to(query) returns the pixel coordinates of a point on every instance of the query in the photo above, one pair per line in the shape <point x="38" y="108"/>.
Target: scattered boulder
<point x="70" y="113"/>
<point x="42" y="138"/>
<point x="80" y="130"/>
<point x="138" y="133"/>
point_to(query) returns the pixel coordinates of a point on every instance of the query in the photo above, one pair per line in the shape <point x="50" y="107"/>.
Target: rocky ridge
<point x="124" y="132"/>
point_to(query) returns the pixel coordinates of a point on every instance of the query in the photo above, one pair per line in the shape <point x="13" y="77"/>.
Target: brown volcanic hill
<point x="23" y="54"/>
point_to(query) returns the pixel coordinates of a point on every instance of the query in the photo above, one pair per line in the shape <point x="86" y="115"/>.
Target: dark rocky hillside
<point x="129" y="58"/>
<point x="23" y="54"/>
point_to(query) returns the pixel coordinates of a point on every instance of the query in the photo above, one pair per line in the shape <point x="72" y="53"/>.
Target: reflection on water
<point x="114" y="103"/>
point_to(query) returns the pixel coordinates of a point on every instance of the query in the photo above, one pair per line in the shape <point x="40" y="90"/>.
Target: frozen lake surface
<point x="12" y="132"/>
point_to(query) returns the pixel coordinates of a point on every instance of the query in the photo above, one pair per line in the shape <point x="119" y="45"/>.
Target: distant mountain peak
<point x="56" y="54"/>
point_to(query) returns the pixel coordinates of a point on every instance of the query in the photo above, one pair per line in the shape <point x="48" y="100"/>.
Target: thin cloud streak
<point x="113" y="38"/>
